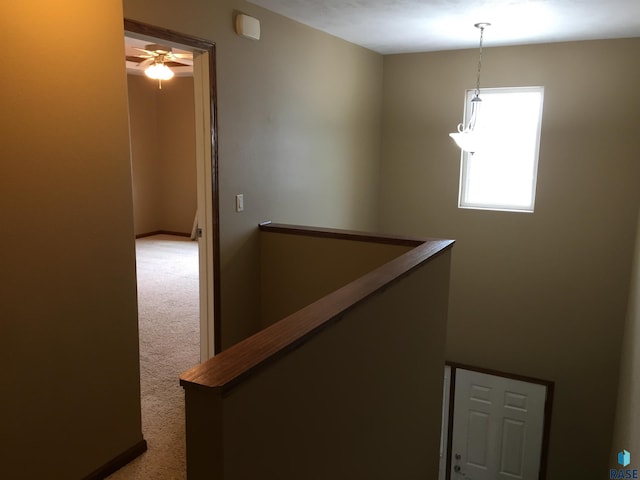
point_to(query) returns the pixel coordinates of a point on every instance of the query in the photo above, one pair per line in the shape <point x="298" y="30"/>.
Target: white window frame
<point x="468" y="158"/>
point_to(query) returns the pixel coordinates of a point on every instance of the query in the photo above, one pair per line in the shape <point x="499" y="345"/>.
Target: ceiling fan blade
<point x="183" y="55"/>
<point x="148" y="61"/>
<point x="184" y="61"/>
<point x="139" y="53"/>
<point x="148" y="52"/>
<point x="177" y="63"/>
<point x="131" y="58"/>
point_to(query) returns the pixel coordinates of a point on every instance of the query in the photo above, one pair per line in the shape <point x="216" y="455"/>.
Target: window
<point x="502" y="174"/>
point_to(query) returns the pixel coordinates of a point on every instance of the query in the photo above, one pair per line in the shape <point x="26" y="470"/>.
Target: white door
<point x="497" y="427"/>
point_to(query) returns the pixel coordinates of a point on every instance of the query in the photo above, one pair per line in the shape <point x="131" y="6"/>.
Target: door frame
<point x="210" y="341"/>
<point x="548" y="405"/>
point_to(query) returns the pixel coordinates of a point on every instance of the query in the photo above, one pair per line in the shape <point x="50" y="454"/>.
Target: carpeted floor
<point x="169" y="344"/>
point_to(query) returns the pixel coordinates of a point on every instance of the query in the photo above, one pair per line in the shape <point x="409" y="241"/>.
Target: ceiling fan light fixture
<point x="159" y="71"/>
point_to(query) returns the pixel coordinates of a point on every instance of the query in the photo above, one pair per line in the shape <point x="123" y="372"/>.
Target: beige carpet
<point x="169" y="345"/>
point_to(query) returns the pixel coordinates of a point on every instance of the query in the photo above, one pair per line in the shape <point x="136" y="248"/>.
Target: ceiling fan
<point x="157" y="59"/>
<point x="155" y="53"/>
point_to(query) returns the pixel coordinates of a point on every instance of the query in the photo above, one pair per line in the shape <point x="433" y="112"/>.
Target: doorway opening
<point x="206" y="223"/>
<point x="495" y="424"/>
<point x="178" y="253"/>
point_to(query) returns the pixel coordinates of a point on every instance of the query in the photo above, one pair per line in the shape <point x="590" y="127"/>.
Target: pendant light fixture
<point x="466" y="137"/>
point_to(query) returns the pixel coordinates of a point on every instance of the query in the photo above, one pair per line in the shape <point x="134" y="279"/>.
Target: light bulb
<point x="159" y="71"/>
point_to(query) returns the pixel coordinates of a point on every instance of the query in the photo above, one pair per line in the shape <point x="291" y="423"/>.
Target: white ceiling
<point x="401" y="26"/>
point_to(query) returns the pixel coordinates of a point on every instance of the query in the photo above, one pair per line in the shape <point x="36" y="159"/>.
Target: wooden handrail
<point x="342" y="234"/>
<point x="231" y="366"/>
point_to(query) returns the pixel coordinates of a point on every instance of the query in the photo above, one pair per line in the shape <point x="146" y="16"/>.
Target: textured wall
<point x="542" y="294"/>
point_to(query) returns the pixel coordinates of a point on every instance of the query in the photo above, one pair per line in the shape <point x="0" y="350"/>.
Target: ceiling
<point x="402" y="26"/>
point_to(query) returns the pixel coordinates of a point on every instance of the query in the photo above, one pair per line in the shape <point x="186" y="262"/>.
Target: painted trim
<point x="452" y="396"/>
<point x="500" y="373"/>
<point x="118" y="462"/>
<point x="163" y="232"/>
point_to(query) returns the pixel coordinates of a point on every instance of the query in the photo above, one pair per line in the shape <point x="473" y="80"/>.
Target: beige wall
<point x="542" y="294"/>
<point x="162" y="154"/>
<point x="297" y="270"/>
<point x="68" y="328"/>
<point x="299" y="129"/>
<point x="176" y="129"/>
<point x="143" y="114"/>
<point x="627" y="427"/>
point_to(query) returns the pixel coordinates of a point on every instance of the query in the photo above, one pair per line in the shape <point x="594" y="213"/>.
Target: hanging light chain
<point x="481" y="26"/>
<point x="465" y="137"/>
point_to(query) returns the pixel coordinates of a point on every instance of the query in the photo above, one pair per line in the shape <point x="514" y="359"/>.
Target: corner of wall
<point x="627" y="425"/>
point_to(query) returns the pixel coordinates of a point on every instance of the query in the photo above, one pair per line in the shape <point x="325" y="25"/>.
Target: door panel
<point x="477" y="440"/>
<point x="511" y="458"/>
<point x="497" y="427"/>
